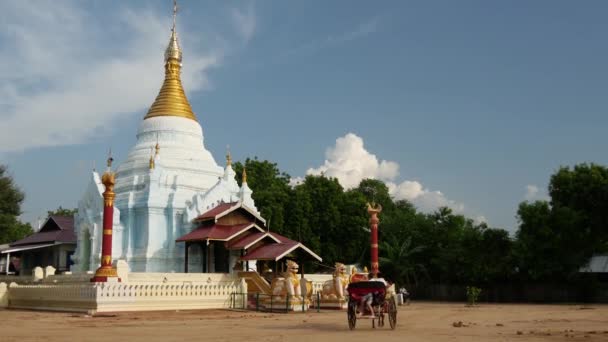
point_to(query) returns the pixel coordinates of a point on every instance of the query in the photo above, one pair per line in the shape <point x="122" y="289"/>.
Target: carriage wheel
<point x="352" y="315"/>
<point x="392" y="313"/>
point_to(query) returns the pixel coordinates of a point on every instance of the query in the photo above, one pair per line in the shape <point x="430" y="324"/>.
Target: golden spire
<point x="171" y="99"/>
<point x="228" y="156"/>
<point x="244" y="175"/>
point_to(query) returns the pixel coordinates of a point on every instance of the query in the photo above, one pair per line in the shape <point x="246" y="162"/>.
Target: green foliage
<point x="399" y="261"/>
<point x="271" y="190"/>
<point x="553" y="240"/>
<point x="62" y="212"/>
<point x="556" y="238"/>
<point x="473" y="295"/>
<point x="11" y="229"/>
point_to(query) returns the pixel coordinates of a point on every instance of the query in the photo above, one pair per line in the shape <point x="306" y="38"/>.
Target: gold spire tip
<point x="171" y="99"/>
<point x="244" y="175"/>
<point x="228" y="156"/>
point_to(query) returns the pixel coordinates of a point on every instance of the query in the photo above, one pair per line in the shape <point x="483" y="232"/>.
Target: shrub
<point x="473" y="294"/>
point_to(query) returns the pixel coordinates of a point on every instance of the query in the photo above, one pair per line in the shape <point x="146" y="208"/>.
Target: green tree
<point x="271" y="190"/>
<point x="584" y="191"/>
<point x="548" y="246"/>
<point x="11" y="229"/>
<point x="398" y="261"/>
<point x="62" y="212"/>
<point x="556" y="238"/>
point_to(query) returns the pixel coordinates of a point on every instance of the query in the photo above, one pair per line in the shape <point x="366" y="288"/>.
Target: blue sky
<point x="470" y="104"/>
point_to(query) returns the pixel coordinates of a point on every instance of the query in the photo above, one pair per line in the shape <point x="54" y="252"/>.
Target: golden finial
<point x="173" y="50"/>
<point x="172" y="100"/>
<point x="156" y="149"/>
<point x="228" y="156"/>
<point x="244" y="175"/>
<point x="365" y="269"/>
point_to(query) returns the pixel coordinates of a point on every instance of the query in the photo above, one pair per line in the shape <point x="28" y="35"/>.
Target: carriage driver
<point x="369" y="298"/>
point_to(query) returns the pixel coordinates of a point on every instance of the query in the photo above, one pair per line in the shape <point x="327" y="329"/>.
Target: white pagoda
<point x="167" y="180"/>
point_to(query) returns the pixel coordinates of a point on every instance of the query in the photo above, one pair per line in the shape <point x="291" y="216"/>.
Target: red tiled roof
<point x="211" y="214"/>
<point x="276" y="251"/>
<point x="245" y="241"/>
<point x="216" y="232"/>
<point x="282" y="238"/>
<point x="226" y="208"/>
<point x="272" y="251"/>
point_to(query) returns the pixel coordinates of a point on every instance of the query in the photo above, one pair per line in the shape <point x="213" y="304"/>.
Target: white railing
<point x="105" y="297"/>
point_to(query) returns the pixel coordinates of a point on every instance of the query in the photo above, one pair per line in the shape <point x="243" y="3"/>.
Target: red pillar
<point x="106" y="271"/>
<point x="373" y="223"/>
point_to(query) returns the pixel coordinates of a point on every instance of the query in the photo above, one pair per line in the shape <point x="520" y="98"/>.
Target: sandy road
<point x="417" y="322"/>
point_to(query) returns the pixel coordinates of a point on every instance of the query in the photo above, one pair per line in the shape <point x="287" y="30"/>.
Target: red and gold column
<point x="373" y="210"/>
<point x="106" y="271"/>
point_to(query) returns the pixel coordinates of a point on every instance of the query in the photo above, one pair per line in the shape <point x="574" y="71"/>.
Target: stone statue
<point x="288" y="283"/>
<point x="336" y="288"/>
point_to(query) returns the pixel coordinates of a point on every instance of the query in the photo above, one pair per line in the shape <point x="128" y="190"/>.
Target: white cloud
<point x="532" y="193"/>
<point x="350" y="162"/>
<point x="66" y="75"/>
<point x="244" y="21"/>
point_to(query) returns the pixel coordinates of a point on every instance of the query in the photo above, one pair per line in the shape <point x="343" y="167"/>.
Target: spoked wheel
<point x="392" y="313"/>
<point x="352" y="315"/>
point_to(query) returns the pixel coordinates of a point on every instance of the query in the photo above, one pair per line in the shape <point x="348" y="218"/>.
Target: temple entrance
<point x="220" y="254"/>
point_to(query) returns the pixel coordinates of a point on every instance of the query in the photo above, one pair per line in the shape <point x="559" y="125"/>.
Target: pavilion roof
<point x="57" y="229"/>
<point x="224" y="209"/>
<point x="249" y="240"/>
<point x="276" y="251"/>
<point x="218" y="232"/>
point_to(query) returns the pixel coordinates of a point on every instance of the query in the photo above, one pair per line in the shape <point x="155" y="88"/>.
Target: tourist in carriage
<point x="368" y="299"/>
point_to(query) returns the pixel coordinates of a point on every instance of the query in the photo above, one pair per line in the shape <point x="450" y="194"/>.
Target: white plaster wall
<point x="143" y="292"/>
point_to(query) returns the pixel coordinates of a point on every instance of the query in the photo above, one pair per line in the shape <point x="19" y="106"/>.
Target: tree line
<point x="555" y="237"/>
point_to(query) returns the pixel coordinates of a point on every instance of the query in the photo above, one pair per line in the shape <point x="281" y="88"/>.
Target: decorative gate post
<point x="106" y="272"/>
<point x="373" y="210"/>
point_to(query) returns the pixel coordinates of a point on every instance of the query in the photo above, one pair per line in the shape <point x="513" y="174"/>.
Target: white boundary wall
<point x="142" y="292"/>
<point x="318" y="280"/>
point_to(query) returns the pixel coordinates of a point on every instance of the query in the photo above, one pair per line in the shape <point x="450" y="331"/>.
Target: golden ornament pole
<point x="106" y="271"/>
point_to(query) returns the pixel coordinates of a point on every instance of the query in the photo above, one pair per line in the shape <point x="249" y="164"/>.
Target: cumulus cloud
<point x="65" y="74"/>
<point x="350" y="162"/>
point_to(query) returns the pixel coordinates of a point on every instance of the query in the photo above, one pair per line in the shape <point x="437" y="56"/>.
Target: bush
<point x="473" y="294"/>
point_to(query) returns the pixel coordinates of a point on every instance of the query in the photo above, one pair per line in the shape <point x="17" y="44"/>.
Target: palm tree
<point x="398" y="260"/>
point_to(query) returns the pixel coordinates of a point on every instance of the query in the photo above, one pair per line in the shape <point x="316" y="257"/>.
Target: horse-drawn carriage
<point x="382" y="305"/>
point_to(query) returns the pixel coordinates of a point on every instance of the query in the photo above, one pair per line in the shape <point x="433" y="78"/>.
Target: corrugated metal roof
<point x="597" y="264"/>
<point x="55" y="229"/>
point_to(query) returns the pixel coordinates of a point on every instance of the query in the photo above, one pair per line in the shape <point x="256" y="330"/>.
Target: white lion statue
<point x="336" y="288"/>
<point x="289" y="283"/>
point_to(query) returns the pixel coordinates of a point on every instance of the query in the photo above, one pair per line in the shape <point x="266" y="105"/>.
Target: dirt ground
<point x="416" y="322"/>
